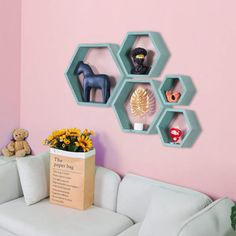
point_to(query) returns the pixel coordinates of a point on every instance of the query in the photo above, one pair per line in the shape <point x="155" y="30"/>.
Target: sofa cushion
<point x="34" y="177"/>
<point x="105" y="193"/>
<point x="131" y="231"/>
<point x="135" y="193"/>
<point x="168" y="210"/>
<point x="10" y="186"/>
<point x="106" y="188"/>
<point x="47" y="219"/>
<point x="5" y="233"/>
<point x="214" y="220"/>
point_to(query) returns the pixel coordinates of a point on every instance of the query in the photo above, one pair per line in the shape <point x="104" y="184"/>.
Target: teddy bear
<point x="18" y="146"/>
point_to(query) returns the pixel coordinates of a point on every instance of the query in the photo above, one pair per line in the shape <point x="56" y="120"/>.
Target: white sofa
<point x="121" y="207"/>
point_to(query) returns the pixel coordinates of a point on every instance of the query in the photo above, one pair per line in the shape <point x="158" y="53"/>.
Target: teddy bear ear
<point x="26" y="133"/>
<point x="14" y="131"/>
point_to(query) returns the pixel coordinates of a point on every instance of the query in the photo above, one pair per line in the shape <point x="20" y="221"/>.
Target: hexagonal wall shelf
<point x="73" y="80"/>
<point x="177" y="83"/>
<point x="161" y="53"/>
<point x="122" y="98"/>
<point x="190" y="131"/>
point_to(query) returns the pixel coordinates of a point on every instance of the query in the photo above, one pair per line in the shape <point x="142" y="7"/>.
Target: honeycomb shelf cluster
<point x="166" y="114"/>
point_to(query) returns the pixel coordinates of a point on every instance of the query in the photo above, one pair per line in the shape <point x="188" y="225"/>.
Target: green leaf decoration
<point x="233" y="217"/>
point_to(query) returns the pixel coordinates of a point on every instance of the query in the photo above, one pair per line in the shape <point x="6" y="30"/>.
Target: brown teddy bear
<point x="18" y="146"/>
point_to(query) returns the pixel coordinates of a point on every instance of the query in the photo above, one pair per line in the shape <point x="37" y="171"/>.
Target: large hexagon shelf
<point x="166" y="122"/>
<point x="122" y="98"/>
<point x="177" y="83"/>
<point x="74" y="82"/>
<point x="161" y="53"/>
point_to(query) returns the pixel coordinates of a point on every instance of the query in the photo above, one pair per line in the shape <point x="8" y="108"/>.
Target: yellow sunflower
<point x="85" y="142"/>
<point x="53" y="143"/>
<point x="50" y="138"/>
<point x="87" y="132"/>
<point x="62" y="138"/>
<point x="73" y="132"/>
<point x="58" y="133"/>
<point x="77" y="144"/>
<point x="66" y="141"/>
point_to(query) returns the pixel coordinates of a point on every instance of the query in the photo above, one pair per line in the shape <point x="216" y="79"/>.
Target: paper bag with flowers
<point x="72" y="167"/>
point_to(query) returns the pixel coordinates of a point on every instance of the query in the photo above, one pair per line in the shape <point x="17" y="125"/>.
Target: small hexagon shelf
<point x="159" y="49"/>
<point x="122" y="99"/>
<point x="177" y="84"/>
<point x="186" y="120"/>
<point x="74" y="82"/>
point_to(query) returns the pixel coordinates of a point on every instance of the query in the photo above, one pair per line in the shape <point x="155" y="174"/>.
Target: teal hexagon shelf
<point x="122" y="98"/>
<point x="175" y="118"/>
<point x="161" y="53"/>
<point x="73" y="80"/>
<point x="177" y="83"/>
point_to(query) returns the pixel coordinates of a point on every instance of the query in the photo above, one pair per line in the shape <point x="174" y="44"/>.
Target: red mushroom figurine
<point x="175" y="134"/>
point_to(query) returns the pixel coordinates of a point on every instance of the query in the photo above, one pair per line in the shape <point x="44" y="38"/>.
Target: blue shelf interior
<point x="186" y="86"/>
<point x="192" y="125"/>
<point x="123" y="96"/>
<point x="160" y="58"/>
<point x="73" y="81"/>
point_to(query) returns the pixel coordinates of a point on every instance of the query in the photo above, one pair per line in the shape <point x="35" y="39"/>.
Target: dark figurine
<point x="138" y="55"/>
<point x="91" y="80"/>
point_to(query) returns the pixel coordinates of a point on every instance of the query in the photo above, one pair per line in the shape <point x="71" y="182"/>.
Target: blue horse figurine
<point x="100" y="81"/>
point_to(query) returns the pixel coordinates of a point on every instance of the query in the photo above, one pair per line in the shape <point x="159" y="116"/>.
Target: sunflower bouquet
<point x="72" y="140"/>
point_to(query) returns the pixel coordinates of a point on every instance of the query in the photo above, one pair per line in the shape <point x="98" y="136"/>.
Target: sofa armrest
<point x="214" y="220"/>
<point x="106" y="188"/>
<point x="10" y="187"/>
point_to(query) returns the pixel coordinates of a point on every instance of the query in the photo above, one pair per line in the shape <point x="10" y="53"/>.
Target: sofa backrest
<point x="105" y="192"/>
<point x="135" y="193"/>
<point x="10" y="187"/>
<point x="214" y="220"/>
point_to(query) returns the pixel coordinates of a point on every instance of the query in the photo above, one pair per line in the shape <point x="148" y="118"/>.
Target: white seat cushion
<point x="45" y="219"/>
<point x="131" y="231"/>
<point x="5" y="233"/>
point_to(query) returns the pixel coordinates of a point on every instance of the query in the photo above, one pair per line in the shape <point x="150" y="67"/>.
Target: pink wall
<point x="10" y="27"/>
<point x="201" y="37"/>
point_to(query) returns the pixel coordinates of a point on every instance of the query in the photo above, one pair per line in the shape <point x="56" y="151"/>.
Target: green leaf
<point x="72" y="147"/>
<point x="75" y="148"/>
<point x="233" y="217"/>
